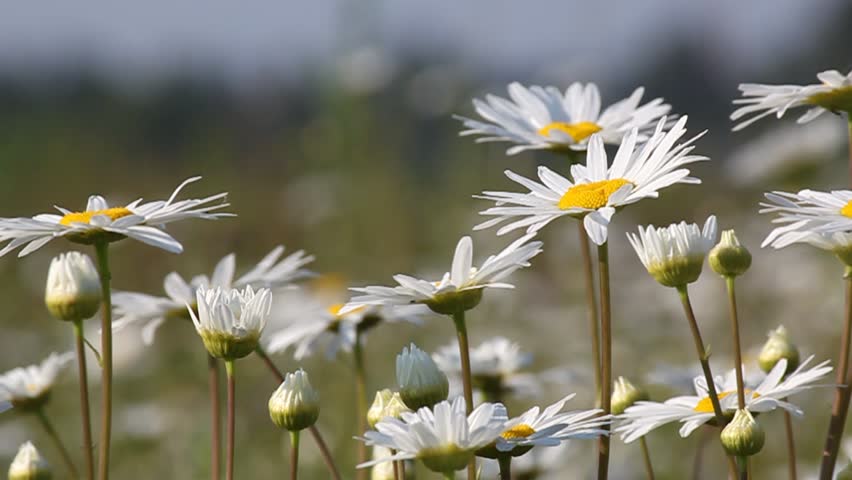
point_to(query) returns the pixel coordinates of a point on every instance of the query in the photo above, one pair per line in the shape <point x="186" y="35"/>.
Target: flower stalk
<point x="646" y="457"/>
<point x="102" y="254"/>
<point x="738" y="359"/>
<point x="606" y="357"/>
<point x="464" y="355"/>
<point x="63" y="452"/>
<point x="294" y="454"/>
<point x="360" y="401"/>
<point x="229" y="449"/>
<point x="505" y="462"/>
<point x="592" y="309"/>
<point x="88" y="454"/>
<point x="215" y="416"/>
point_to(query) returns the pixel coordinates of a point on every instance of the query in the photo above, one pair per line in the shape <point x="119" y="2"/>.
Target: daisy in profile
<point x="230" y="321"/>
<point x="674" y="255"/>
<point x="100" y="222"/>
<point x="271" y="272"/>
<point x="695" y="411"/>
<point x="808" y="216"/>
<point x="834" y="94"/>
<point x="543" y="118"/>
<point x="598" y="190"/>
<point x="28" y="388"/>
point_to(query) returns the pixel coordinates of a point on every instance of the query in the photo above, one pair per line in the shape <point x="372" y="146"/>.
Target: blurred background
<point x="330" y="124"/>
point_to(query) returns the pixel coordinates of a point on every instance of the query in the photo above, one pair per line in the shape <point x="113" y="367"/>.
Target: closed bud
<point x="625" y="394"/>
<point x="386" y="404"/>
<point x="29" y="465"/>
<point x="778" y="346"/>
<point x="743" y="437"/>
<point x="295" y="404"/>
<point x="73" y="290"/>
<point x="728" y="258"/>
<point x="421" y="382"/>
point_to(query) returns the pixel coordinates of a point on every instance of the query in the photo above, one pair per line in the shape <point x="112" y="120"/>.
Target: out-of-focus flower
<point x="28" y="388"/>
<point x="809" y="216"/>
<point x="778" y="346"/>
<point x="387" y="403"/>
<point x="29" y="465"/>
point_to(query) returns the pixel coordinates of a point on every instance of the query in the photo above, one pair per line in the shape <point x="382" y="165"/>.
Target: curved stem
<point x="464" y="354"/>
<point x="360" y="402"/>
<point x="51" y="432"/>
<point x="88" y="454"/>
<point x="592" y="308"/>
<point x="646" y="456"/>
<point x="215" y="416"/>
<point x="102" y="253"/>
<point x="791" y="445"/>
<point x="294" y="455"/>
<point x="505" y="462"/>
<point x="606" y="357"/>
<point x="229" y="449"/>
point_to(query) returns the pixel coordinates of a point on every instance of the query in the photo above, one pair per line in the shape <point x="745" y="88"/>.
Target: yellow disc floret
<point x="86" y="217"/>
<point x="518" y="431"/>
<point x="592" y="195"/>
<point x="577" y="131"/>
<point x="705" y="405"/>
<point x="846" y="211"/>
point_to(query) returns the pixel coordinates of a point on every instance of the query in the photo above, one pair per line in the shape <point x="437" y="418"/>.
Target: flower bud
<point x="29" y="465"/>
<point x="295" y="404"/>
<point x="421" y="382"/>
<point x="742" y="437"/>
<point x="728" y="258"/>
<point x="73" y="291"/>
<point x="778" y="346"/>
<point x="625" y="394"/>
<point x="386" y="404"/>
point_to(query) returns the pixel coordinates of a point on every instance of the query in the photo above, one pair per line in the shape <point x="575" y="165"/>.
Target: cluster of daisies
<point x="447" y="410"/>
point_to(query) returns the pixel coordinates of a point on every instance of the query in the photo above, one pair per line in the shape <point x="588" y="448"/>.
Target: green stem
<point x="360" y="402"/>
<point x="606" y="357"/>
<point x="88" y="454"/>
<point x="229" y="449"/>
<point x="704" y="435"/>
<point x="51" y="432"/>
<point x="294" y="455"/>
<point x="401" y="465"/>
<point x="849" y="119"/>
<point x="464" y="354"/>
<point x="738" y="355"/>
<point x="505" y="462"/>
<point x="102" y="253"/>
<point x="791" y="445"/>
<point x="215" y="416"/>
<point x="591" y="309"/>
<point x="646" y="456"/>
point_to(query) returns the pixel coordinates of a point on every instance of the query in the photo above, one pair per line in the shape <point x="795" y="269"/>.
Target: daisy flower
<point x="540" y="118"/>
<point x="28" y="388"/>
<point x="807" y="213"/>
<point x="230" y="321"/>
<point x="694" y="411"/>
<point x="637" y="172"/>
<point x="674" y="255"/>
<point x="443" y="438"/>
<point x="833" y="94"/>
<point x="459" y="289"/>
<point x="153" y="311"/>
<point x="101" y="223"/>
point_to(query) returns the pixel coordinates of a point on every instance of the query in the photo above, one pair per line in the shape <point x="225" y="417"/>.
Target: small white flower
<point x="73" y="290"/>
<point x="29" y="387"/>
<point x="295" y="404"/>
<point x="29" y="465"/>
<point x="694" y="411"/>
<point x="833" y="94"/>
<point x="230" y="321"/>
<point x="637" y="172"/>
<point x="543" y="118"/>
<point x="100" y="222"/>
<point x="806" y="213"/>
<point x="443" y="438"/>
<point x="497" y="363"/>
<point x="153" y="311"/>
<point x="674" y="255"/>
<point x="421" y="383"/>
<point x="461" y="288"/>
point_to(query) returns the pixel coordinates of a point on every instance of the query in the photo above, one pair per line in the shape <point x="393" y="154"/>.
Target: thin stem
<point x="360" y="402"/>
<point x="841" y="395"/>
<point x="738" y="355"/>
<point x="646" y="456"/>
<point x="88" y="454"/>
<point x="323" y="448"/>
<point x="606" y="357"/>
<point x="592" y="308"/>
<point x="791" y="445"/>
<point x="505" y="462"/>
<point x="229" y="452"/>
<point x="401" y="465"/>
<point x="51" y="432"/>
<point x="464" y="354"/>
<point x="294" y="455"/>
<point x="849" y="119"/>
<point x="395" y="467"/>
<point x="102" y="253"/>
<point x="215" y="416"/>
<point x="698" y="460"/>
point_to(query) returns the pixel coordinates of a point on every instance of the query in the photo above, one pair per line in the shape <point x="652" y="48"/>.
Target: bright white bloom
<point x="153" y="311"/>
<point x="461" y="287"/>
<point x="694" y="411"/>
<point x="545" y="118"/>
<point x="833" y="94"/>
<point x="73" y="290"/>
<point x="496" y="365"/>
<point x="29" y="464"/>
<point x="230" y="321"/>
<point x="637" y="172"/>
<point x="100" y="222"/>
<point x="674" y="255"/>
<point x="29" y="387"/>
<point x="444" y="439"/>
<point x="421" y="383"/>
<point x="807" y="213"/>
<point x="295" y="404"/>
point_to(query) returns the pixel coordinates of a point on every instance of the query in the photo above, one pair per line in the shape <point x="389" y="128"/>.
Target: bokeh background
<point x="330" y="124"/>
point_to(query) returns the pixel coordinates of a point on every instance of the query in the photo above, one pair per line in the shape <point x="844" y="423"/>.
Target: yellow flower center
<point x="846" y="211"/>
<point x="335" y="309"/>
<point x="86" y="217"/>
<point x="518" y="431"/>
<point x="592" y="195"/>
<point x="705" y="405"/>
<point x="578" y="131"/>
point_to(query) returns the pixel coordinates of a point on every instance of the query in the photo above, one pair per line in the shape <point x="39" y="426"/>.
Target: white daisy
<point x="153" y="311"/>
<point x="29" y="387"/>
<point x="597" y="190"/>
<point x="544" y="118"/>
<point x="230" y="321"/>
<point x="806" y="213"/>
<point x="674" y="255"/>
<point x="462" y="285"/>
<point x="694" y="411"/>
<point x="444" y="439"/>
<point x="833" y="94"/>
<point x="100" y="222"/>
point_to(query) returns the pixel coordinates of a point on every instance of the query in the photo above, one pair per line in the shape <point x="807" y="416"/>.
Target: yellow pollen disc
<point x="86" y="217"/>
<point x="518" y="431"/>
<point x="846" y="211"/>
<point x="335" y="309"/>
<point x="578" y="131"/>
<point x="592" y="195"/>
<point x="705" y="405"/>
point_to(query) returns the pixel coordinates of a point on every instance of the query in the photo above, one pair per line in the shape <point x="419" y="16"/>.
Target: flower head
<point x="822" y="219"/>
<point x="544" y="118"/>
<point x="29" y="388"/>
<point x="73" y="289"/>
<point x="777" y="347"/>
<point x="295" y="404"/>
<point x="421" y="382"/>
<point x="497" y="367"/>
<point x="387" y="403"/>
<point x="29" y="465"/>
<point x="637" y="172"/>
<point x="230" y="321"/>
<point x="101" y="223"/>
<point x="674" y="255"/>
<point x="625" y="394"/>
